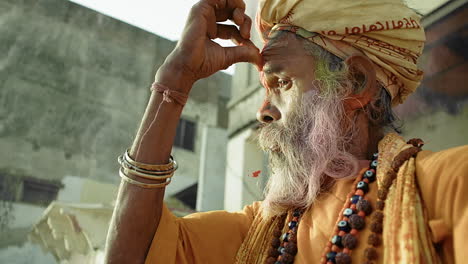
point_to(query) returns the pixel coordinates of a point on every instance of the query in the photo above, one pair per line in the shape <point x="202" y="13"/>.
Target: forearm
<point x="138" y="210"/>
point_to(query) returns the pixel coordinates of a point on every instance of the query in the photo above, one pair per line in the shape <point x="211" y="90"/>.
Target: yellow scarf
<point x="406" y="236"/>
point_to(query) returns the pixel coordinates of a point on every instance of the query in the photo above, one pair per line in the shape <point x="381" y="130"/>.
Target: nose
<point x="268" y="113"/>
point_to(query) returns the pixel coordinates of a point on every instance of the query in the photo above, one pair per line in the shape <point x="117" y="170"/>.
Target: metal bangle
<point x="150" y="167"/>
<point x="141" y="184"/>
<point x="124" y="163"/>
<point x="148" y="176"/>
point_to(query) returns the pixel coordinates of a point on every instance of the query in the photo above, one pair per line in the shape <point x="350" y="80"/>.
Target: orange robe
<point x="215" y="237"/>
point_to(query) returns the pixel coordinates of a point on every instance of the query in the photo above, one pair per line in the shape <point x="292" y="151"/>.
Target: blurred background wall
<point x="438" y="111"/>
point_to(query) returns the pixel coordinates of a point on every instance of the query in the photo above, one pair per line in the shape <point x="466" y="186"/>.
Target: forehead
<point x="286" y="53"/>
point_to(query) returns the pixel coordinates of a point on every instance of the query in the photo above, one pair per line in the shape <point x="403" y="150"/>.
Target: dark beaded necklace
<point x="350" y="220"/>
<point x="374" y="239"/>
<point x="284" y="249"/>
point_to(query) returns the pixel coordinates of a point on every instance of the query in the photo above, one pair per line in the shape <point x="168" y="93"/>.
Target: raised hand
<point x="197" y="56"/>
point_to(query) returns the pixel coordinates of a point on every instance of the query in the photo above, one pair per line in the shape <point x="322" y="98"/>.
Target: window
<point x="185" y="135"/>
<point x="15" y="188"/>
<point x="40" y="192"/>
<point x="188" y="196"/>
<point x="8" y="187"/>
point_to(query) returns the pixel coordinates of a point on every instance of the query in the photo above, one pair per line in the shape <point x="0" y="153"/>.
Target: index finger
<point x="216" y="4"/>
<point x="233" y="4"/>
<point x="229" y="4"/>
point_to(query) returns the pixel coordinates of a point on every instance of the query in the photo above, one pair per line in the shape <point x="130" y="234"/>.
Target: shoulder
<point x="254" y="209"/>
<point x="443" y="178"/>
<point x="449" y="160"/>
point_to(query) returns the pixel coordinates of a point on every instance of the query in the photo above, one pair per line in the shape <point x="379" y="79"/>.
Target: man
<point x="332" y="71"/>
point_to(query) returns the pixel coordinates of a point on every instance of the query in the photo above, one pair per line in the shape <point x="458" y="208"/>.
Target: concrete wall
<point x="210" y="192"/>
<point x="84" y="190"/>
<point x="438" y="111"/>
<point x="25" y="254"/>
<point x="24" y="216"/>
<point x="246" y="171"/>
<point x="233" y="198"/>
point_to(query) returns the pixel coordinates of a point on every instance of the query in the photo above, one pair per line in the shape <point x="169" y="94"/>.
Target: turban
<point x="386" y="31"/>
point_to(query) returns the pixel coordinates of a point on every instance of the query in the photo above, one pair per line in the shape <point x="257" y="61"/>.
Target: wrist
<point x="175" y="76"/>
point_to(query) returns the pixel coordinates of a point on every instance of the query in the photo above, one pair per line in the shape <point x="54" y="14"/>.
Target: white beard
<point x="309" y="146"/>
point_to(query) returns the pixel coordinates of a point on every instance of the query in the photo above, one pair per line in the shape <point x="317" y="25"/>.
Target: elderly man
<point x="340" y="191"/>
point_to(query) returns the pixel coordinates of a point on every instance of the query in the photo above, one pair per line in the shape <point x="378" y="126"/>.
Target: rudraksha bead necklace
<point x="374" y="239"/>
<point x="284" y="249"/>
<point x="350" y="220"/>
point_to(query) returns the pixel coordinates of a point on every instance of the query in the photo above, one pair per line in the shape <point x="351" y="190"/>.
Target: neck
<point x="365" y="142"/>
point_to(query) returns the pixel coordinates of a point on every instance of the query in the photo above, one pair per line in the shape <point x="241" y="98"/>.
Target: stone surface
<point x="210" y="193"/>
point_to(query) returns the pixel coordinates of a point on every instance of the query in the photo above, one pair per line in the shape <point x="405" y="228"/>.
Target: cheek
<point x="307" y="85"/>
<point x="287" y="106"/>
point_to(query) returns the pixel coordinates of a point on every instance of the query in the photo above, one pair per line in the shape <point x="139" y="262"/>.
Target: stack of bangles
<point x="158" y="173"/>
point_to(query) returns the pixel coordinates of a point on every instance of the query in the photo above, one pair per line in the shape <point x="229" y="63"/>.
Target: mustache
<point x="271" y="136"/>
<point x="263" y="126"/>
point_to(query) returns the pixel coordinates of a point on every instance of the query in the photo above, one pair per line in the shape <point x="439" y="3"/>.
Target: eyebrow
<point x="272" y="68"/>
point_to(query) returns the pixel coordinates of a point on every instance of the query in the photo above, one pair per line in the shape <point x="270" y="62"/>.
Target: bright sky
<point x="166" y="18"/>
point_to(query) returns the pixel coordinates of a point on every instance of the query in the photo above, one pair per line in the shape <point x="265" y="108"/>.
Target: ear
<point x="362" y="72"/>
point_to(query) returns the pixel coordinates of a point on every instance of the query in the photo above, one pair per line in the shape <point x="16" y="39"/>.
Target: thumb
<point x="244" y="53"/>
